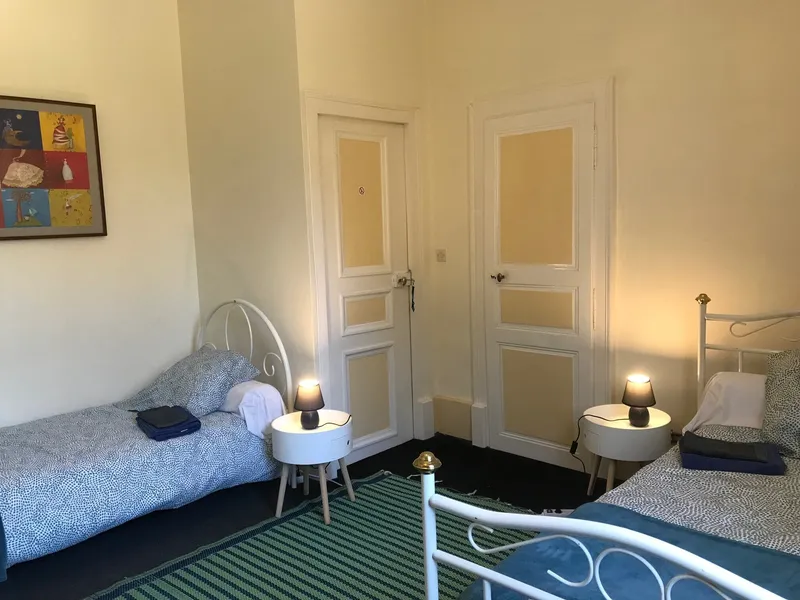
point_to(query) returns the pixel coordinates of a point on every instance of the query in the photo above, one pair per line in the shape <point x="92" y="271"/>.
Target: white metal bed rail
<point x="698" y="569"/>
<point x="268" y="363"/>
<point x="738" y="329"/>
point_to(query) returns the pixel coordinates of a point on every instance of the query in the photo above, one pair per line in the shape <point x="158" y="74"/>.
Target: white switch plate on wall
<point x="441" y="256"/>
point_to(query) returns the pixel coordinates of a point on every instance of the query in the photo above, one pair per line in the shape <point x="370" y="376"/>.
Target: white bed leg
<point x="427" y="464"/>
<point x="282" y="489"/>
<point x="487" y="590"/>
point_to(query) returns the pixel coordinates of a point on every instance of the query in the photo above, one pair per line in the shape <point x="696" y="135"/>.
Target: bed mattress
<point x="761" y="510"/>
<point x="69" y="477"/>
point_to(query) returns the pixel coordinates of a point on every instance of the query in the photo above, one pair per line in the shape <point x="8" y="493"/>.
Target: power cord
<point x="574" y="446"/>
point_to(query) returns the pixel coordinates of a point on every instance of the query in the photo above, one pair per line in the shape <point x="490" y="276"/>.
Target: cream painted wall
<point x="88" y="321"/>
<point x="363" y="50"/>
<point x="245" y="153"/>
<point x="707" y="145"/>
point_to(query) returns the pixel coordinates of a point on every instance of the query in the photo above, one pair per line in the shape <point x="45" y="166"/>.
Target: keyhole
<point x="361" y="191"/>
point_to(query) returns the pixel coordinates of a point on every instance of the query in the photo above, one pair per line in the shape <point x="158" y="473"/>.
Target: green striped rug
<point x="372" y="549"/>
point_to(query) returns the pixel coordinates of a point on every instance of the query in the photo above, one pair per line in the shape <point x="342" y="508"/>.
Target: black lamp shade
<point x="638" y="395"/>
<point x="308" y="400"/>
<point x="309" y="396"/>
<point x="638" y="392"/>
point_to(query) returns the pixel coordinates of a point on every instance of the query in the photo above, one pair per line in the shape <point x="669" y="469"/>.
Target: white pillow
<point x="735" y="399"/>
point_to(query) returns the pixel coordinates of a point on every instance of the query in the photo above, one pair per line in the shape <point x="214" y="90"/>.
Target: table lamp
<point x="638" y="395"/>
<point x="309" y="400"/>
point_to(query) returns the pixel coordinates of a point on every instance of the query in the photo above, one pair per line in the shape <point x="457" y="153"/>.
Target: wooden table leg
<point x="595" y="469"/>
<point x="612" y="472"/>
<point x="347" y="482"/>
<point x="282" y="489"/>
<point x="323" y="486"/>
<point x="306" y="478"/>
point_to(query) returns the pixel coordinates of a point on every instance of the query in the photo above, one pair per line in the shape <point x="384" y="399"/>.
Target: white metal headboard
<point x="738" y="329"/>
<point x="268" y="366"/>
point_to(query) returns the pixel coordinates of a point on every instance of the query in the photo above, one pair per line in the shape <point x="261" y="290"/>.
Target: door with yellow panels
<point x="364" y="207"/>
<point x="538" y="293"/>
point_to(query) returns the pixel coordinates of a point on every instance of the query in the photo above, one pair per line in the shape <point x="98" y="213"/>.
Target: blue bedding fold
<point x="3" y="553"/>
<point x="625" y="578"/>
<point x="774" y="464"/>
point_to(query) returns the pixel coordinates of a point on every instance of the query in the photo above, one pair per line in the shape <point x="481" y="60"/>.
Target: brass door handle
<point x="498" y="277"/>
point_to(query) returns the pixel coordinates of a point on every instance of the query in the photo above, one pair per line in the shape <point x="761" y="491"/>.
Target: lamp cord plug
<point x="573" y="448"/>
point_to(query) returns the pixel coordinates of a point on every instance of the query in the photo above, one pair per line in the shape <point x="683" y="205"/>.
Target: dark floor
<point x="145" y="543"/>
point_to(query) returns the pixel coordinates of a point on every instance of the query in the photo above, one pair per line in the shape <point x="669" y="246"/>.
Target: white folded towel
<point x="257" y="403"/>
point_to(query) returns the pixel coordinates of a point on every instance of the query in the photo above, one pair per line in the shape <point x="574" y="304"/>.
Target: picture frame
<point x="51" y="181"/>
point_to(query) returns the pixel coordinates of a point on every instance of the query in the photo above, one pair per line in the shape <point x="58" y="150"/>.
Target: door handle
<point x="401" y="280"/>
<point x="498" y="277"/>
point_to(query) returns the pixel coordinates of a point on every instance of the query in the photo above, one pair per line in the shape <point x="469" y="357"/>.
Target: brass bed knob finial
<point x="703" y="299"/>
<point x="427" y="463"/>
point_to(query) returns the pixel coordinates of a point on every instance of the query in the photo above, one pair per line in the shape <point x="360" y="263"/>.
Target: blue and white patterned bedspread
<point x="69" y="477"/>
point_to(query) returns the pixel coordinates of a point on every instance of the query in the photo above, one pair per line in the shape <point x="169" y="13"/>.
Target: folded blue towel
<point x="160" y="434"/>
<point x="166" y="416"/>
<point x="774" y="464"/>
<point x="3" y="552"/>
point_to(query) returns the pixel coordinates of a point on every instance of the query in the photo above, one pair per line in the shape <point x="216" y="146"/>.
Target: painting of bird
<point x="10" y="136"/>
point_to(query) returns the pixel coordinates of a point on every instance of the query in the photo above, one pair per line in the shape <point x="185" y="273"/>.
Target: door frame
<point x="599" y="93"/>
<point x="315" y="106"/>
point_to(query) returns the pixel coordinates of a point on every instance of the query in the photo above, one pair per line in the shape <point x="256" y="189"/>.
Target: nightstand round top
<point x="328" y="419"/>
<point x="617" y="439"/>
<point x="658" y="418"/>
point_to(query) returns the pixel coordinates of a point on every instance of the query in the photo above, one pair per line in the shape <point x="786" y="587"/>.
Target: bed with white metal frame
<point x="627" y="542"/>
<point x="270" y="360"/>
<point x="54" y="461"/>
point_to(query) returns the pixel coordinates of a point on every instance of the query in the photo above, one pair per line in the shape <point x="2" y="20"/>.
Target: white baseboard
<point x="480" y="425"/>
<point x="424" y="426"/>
<point x="453" y="416"/>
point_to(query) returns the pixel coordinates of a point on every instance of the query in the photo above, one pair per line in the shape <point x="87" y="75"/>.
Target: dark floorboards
<point x="146" y="542"/>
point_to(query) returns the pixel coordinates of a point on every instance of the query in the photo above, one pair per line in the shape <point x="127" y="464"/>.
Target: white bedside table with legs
<point x="293" y="445"/>
<point x="616" y="439"/>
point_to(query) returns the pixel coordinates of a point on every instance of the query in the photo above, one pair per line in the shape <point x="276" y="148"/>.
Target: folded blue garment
<point x="3" y="552"/>
<point x="774" y="464"/>
<point x="161" y="434"/>
<point x="166" y="416"/>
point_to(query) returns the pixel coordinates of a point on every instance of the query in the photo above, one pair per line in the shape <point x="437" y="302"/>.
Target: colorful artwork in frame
<point x="50" y="179"/>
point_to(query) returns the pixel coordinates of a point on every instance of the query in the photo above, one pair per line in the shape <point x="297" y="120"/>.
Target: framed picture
<point x="50" y="179"/>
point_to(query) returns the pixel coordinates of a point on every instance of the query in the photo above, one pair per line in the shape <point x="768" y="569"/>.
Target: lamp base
<point x="639" y="416"/>
<point x="309" y="419"/>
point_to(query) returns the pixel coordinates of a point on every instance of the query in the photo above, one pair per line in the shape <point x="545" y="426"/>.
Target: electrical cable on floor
<point x="583" y="466"/>
<point x="574" y="446"/>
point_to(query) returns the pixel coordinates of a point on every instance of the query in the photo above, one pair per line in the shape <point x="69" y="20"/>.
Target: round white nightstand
<point x="616" y="439"/>
<point x="293" y="445"/>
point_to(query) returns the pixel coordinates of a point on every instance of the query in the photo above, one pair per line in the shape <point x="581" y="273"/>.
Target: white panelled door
<point x="538" y="202"/>
<point x="362" y="168"/>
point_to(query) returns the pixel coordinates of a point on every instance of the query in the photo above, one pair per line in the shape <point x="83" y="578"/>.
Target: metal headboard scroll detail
<point x="271" y="359"/>
<point x="738" y="329"/>
<point x="744" y="334"/>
